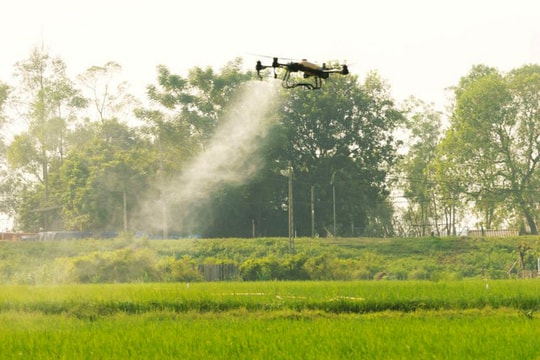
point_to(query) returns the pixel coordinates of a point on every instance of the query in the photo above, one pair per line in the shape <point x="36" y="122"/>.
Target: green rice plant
<point x="278" y="320"/>
<point x="491" y="334"/>
<point x="332" y="297"/>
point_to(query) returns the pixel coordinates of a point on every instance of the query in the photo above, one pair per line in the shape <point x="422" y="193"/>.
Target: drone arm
<point x="260" y="66"/>
<point x="343" y="71"/>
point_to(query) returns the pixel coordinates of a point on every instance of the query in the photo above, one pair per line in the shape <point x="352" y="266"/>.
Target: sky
<point x="420" y="47"/>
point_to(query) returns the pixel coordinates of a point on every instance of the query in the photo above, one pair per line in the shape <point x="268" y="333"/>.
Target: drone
<point x="310" y="70"/>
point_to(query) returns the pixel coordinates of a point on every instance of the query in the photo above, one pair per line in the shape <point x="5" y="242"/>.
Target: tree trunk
<point x="530" y="221"/>
<point x="125" y="211"/>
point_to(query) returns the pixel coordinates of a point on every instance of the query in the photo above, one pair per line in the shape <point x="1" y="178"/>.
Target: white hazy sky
<point x="419" y="46"/>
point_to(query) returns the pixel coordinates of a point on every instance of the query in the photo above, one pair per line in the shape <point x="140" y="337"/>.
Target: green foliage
<point x="96" y="174"/>
<point x="200" y="98"/>
<point x="478" y="334"/>
<point x="183" y="269"/>
<point x="99" y="183"/>
<point x="340" y="141"/>
<point x="277" y="320"/>
<point x="75" y="171"/>
<point x="415" y="176"/>
<point x="493" y="137"/>
<point x="123" y="265"/>
<point x="337" y="297"/>
<point x="48" y="99"/>
<point x="123" y="260"/>
<point x="324" y="267"/>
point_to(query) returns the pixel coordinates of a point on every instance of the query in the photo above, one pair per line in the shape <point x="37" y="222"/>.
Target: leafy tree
<point x="4" y="189"/>
<point x="449" y="183"/>
<point x="340" y="142"/>
<point x="102" y="181"/>
<point x="199" y="99"/>
<point x="494" y="134"/>
<point x="107" y="94"/>
<point x="185" y="115"/>
<point x="49" y="101"/>
<point x="424" y="123"/>
<point x="4" y="94"/>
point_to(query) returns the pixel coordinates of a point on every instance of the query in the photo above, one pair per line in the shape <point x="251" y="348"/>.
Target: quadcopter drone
<point x="310" y="70"/>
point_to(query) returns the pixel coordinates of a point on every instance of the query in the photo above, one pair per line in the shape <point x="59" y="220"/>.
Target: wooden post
<point x="291" y="215"/>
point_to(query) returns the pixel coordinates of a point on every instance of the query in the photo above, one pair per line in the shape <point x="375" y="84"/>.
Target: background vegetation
<point x="90" y="156"/>
<point x="195" y="260"/>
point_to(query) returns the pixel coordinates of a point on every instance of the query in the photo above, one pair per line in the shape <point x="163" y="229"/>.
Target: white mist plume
<point x="228" y="158"/>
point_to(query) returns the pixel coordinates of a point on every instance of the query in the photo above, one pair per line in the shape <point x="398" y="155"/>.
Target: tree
<point x="171" y="149"/>
<point x="257" y="207"/>
<point x="495" y="134"/>
<point x="449" y="183"/>
<point x="340" y="143"/>
<point x="4" y="186"/>
<point x="199" y="99"/>
<point x="102" y="182"/>
<point x="184" y="118"/>
<point x="4" y="94"/>
<point x="107" y="94"/>
<point x="424" y="123"/>
<point x="49" y="101"/>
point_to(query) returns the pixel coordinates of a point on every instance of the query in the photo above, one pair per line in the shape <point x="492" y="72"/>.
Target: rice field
<point x="273" y="320"/>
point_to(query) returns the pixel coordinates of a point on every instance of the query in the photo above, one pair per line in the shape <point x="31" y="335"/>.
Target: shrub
<point x="267" y="268"/>
<point x="326" y="267"/>
<point x="183" y="269"/>
<point x="124" y="265"/>
<point x="294" y="268"/>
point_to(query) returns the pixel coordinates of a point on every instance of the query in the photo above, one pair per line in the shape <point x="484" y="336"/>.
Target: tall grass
<point x="277" y="320"/>
<point x="275" y="335"/>
<point x="334" y="297"/>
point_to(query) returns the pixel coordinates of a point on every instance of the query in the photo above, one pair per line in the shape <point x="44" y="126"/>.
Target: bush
<point x="125" y="265"/>
<point x="326" y="267"/>
<point x="183" y="269"/>
<point x="260" y="269"/>
<point x="294" y="268"/>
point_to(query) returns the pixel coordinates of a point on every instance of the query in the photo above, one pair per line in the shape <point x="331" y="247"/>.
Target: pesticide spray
<point x="228" y="159"/>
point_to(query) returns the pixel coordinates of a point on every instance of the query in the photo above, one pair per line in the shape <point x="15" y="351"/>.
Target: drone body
<point x="310" y="70"/>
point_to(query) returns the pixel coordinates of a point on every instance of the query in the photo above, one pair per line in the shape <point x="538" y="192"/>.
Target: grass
<point x="278" y="320"/>
<point x="240" y="335"/>
<point x="330" y="296"/>
<point x="474" y="318"/>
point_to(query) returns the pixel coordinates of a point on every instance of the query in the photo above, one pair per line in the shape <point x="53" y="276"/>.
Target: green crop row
<point x="277" y="320"/>
<point x="360" y="297"/>
<point x="161" y="335"/>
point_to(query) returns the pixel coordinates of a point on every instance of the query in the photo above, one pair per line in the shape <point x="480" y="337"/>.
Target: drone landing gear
<point x="287" y="83"/>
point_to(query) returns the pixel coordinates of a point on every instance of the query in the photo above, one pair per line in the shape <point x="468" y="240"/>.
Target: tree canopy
<point x="81" y="164"/>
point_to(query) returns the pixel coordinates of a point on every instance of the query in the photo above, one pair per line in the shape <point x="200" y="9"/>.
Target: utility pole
<point x="164" y="214"/>
<point x="312" y="211"/>
<point x="291" y="215"/>
<point x="334" y="201"/>
<point x="124" y="203"/>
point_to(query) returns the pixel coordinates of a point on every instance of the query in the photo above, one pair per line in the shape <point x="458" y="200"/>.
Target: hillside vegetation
<point x="126" y="260"/>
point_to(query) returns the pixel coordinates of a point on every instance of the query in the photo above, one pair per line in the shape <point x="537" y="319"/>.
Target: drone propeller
<point x="274" y="57"/>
